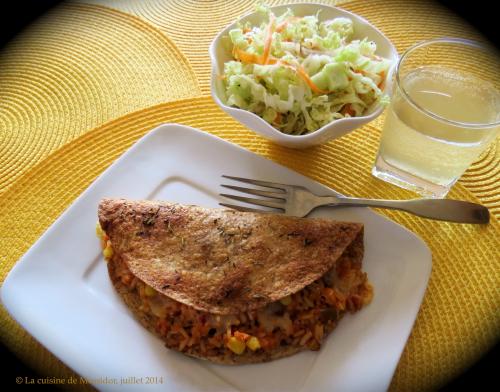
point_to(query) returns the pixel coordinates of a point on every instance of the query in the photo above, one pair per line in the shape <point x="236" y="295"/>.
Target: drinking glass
<point x="444" y="111"/>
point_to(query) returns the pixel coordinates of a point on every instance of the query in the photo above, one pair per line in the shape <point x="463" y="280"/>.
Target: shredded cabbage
<point x="300" y="74"/>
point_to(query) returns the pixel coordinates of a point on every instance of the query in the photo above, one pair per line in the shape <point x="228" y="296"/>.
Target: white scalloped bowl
<point x="220" y="53"/>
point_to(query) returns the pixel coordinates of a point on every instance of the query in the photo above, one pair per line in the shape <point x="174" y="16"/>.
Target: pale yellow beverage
<point x="436" y="127"/>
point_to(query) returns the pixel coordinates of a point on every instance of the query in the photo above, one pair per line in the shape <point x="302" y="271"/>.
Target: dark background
<point x="479" y="13"/>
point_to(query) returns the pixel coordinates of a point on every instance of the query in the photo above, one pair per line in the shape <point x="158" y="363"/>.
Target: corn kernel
<point x="149" y="291"/>
<point x="253" y="343"/>
<point x="286" y="300"/>
<point x="235" y="345"/>
<point x="98" y="230"/>
<point x="108" y="252"/>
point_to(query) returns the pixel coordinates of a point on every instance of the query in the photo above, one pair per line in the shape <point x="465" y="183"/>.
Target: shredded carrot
<point x="329" y="294"/>
<point x="127" y="279"/>
<point x="269" y="40"/>
<point x="245" y="57"/>
<point x="283" y="24"/>
<point x="272" y="60"/>
<point x="303" y="74"/>
<point x="241" y="336"/>
<point x="382" y="83"/>
<point x="360" y="72"/>
<point x="268" y="342"/>
<point x="250" y="58"/>
<point x="277" y="119"/>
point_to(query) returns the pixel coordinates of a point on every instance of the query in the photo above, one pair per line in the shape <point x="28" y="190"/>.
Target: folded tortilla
<point x="233" y="287"/>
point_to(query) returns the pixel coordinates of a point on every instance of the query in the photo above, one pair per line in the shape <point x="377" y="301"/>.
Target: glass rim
<point x="461" y="41"/>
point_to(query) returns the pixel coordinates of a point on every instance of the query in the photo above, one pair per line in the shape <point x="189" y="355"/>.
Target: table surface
<point x="89" y="78"/>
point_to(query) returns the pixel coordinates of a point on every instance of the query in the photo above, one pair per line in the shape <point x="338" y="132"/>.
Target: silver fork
<point x="296" y="200"/>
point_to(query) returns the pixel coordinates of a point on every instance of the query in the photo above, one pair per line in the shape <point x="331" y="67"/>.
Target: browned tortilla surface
<point x="223" y="261"/>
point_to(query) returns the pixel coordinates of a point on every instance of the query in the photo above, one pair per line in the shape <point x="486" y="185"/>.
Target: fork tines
<point x="275" y="199"/>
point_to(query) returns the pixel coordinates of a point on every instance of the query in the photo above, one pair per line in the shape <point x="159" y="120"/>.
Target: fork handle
<point x="440" y="209"/>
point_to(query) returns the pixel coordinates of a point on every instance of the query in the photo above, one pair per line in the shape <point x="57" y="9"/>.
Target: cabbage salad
<point x="300" y="74"/>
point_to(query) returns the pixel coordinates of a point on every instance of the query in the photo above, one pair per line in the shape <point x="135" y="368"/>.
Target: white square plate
<point x="60" y="292"/>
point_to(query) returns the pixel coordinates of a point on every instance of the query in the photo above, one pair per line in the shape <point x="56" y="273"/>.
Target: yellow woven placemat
<point x="459" y="317"/>
<point x="76" y="68"/>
